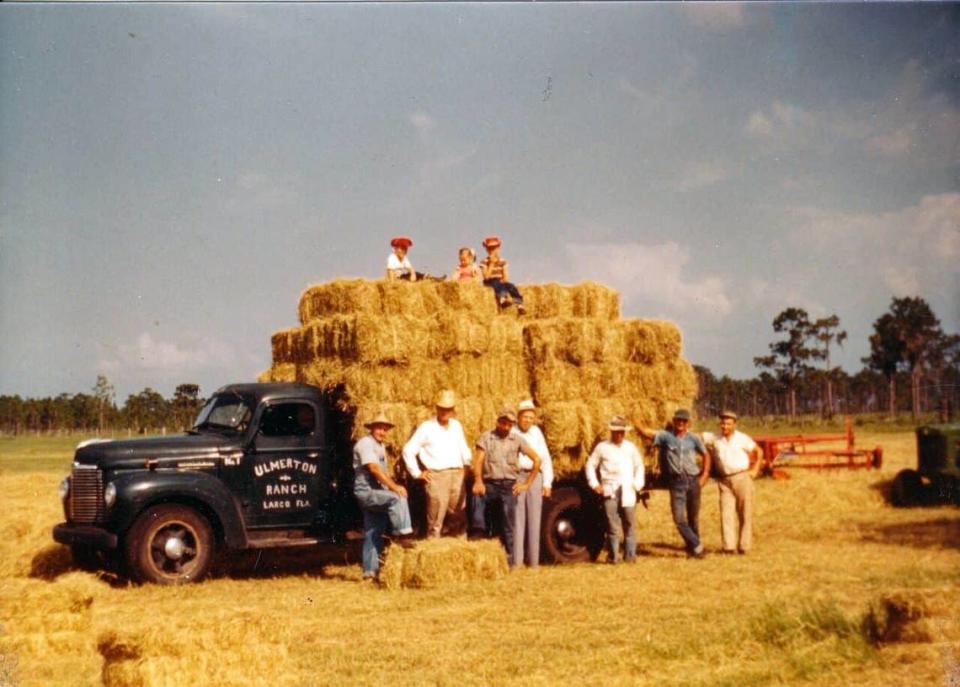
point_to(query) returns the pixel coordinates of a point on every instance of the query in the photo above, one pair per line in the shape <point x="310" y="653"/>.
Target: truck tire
<point x="568" y="536"/>
<point x="169" y="544"/>
<point x="907" y="488"/>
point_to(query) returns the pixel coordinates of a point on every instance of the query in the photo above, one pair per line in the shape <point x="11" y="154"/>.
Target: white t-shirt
<point x="395" y="264"/>
<point x="733" y="454"/>
<point x="538" y="443"/>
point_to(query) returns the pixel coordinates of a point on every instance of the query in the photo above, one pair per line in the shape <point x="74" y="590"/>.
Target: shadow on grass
<point x="55" y="560"/>
<point x="941" y="533"/>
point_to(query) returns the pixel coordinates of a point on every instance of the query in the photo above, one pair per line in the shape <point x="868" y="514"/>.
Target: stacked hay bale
<point x="393" y="345"/>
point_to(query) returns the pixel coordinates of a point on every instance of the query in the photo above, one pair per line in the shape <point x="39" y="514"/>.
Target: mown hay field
<point x="842" y="590"/>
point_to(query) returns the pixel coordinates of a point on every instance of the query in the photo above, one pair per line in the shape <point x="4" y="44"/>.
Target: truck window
<point x="288" y="419"/>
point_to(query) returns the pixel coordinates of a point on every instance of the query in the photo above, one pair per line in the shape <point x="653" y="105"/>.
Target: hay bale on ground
<point x="435" y="562"/>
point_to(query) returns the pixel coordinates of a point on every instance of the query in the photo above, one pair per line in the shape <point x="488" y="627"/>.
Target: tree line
<point x="913" y="366"/>
<point x="97" y="411"/>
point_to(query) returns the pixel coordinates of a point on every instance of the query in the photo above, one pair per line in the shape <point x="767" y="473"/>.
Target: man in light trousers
<point x="621" y="477"/>
<point x="442" y="449"/>
<point x="526" y="537"/>
<point x="738" y="462"/>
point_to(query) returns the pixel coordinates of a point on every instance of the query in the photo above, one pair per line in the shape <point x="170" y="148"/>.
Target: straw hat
<point x="618" y="424"/>
<point x="446" y="399"/>
<point x="401" y="242"/>
<point x="380" y="419"/>
<point x="527" y="404"/>
<point x="491" y="242"/>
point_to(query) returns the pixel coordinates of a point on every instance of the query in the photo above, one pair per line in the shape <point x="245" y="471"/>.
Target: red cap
<point x="491" y="242"/>
<point x="401" y="242"/>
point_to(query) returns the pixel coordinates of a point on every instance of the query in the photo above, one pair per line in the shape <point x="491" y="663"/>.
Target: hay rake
<point x="798" y="451"/>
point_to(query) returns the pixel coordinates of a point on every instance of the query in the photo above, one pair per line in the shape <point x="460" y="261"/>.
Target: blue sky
<point x="172" y="176"/>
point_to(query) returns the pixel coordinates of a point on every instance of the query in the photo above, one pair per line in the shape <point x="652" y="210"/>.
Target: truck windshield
<point x="228" y="411"/>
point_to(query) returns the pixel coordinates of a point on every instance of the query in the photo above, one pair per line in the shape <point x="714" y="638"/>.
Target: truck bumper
<point x="84" y="535"/>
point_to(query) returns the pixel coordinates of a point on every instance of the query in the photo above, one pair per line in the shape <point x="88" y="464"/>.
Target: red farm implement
<point x="815" y="451"/>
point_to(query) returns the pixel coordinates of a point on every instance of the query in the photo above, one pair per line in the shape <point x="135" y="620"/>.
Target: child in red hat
<point x="398" y="264"/>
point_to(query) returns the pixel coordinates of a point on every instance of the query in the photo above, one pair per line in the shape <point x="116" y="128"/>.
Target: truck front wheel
<point x="169" y="544"/>
<point x="569" y="536"/>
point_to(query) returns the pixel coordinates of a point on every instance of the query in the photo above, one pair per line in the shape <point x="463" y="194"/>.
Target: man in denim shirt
<point x="678" y="450"/>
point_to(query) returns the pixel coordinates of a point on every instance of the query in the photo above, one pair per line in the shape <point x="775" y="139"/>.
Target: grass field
<point x="842" y="589"/>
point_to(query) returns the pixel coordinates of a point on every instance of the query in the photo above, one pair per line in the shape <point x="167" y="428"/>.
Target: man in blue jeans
<point x="678" y="451"/>
<point x="496" y="469"/>
<point x="381" y="499"/>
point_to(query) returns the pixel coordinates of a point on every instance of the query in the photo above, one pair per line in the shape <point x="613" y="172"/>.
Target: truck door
<point x="288" y="466"/>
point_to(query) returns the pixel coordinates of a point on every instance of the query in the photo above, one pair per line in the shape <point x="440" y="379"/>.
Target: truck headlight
<point x="110" y="494"/>
<point x="64" y="489"/>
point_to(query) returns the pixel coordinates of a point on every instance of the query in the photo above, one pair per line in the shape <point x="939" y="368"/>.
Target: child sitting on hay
<point x="495" y="276"/>
<point x="467" y="270"/>
<point x="398" y="264"/>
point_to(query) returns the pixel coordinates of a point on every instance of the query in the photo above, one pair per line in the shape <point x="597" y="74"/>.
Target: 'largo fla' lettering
<point x="284" y="464"/>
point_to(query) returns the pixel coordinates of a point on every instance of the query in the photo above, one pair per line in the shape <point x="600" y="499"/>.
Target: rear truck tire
<point x="568" y="534"/>
<point x="907" y="488"/>
<point x="169" y="544"/>
<point x="86" y="558"/>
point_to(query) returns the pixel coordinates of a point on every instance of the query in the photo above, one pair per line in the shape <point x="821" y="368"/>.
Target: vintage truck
<point x="265" y="466"/>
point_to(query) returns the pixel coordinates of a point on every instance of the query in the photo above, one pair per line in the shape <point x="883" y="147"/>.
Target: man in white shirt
<point x="738" y="462"/>
<point x="442" y="449"/>
<point x="621" y="477"/>
<point x="526" y="539"/>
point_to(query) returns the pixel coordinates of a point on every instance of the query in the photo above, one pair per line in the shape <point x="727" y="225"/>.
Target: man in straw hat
<point x="442" y="449"/>
<point x="381" y="500"/>
<point x="621" y="477"/>
<point x="496" y="477"/>
<point x="496" y="276"/>
<point x="738" y="462"/>
<point x="678" y="451"/>
<point x="526" y="542"/>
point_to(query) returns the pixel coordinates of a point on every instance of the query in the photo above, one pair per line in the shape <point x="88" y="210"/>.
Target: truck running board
<point x="271" y="539"/>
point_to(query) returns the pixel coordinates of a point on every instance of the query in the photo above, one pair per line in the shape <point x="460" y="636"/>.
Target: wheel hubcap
<point x="565" y="530"/>
<point x="174" y="548"/>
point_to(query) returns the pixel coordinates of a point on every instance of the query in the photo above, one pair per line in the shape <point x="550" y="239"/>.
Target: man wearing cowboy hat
<point x="738" y="462"/>
<point x="398" y="264"/>
<point x="496" y="477"/>
<point x="678" y="451"/>
<point x="621" y="477"/>
<point x="496" y="276"/>
<point x="381" y="500"/>
<point x="526" y="540"/>
<point x="442" y="449"/>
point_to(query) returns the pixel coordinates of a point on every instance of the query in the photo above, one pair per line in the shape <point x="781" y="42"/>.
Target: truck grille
<point x="86" y="494"/>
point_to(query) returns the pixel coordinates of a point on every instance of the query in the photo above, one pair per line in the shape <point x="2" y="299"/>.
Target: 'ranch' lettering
<point x="284" y="464"/>
<point x="286" y="489"/>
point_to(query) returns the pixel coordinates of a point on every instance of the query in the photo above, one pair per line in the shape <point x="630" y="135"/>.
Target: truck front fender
<point x="206" y="492"/>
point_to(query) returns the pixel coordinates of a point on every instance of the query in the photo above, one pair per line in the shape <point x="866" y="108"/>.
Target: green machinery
<point x="937" y="477"/>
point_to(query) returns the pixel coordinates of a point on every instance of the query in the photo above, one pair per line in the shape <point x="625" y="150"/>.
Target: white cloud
<point x="700" y="175"/>
<point x="149" y="354"/>
<point x="422" y="122"/>
<point x="661" y="273"/>
<point x="716" y="16"/>
<point x="914" y="250"/>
